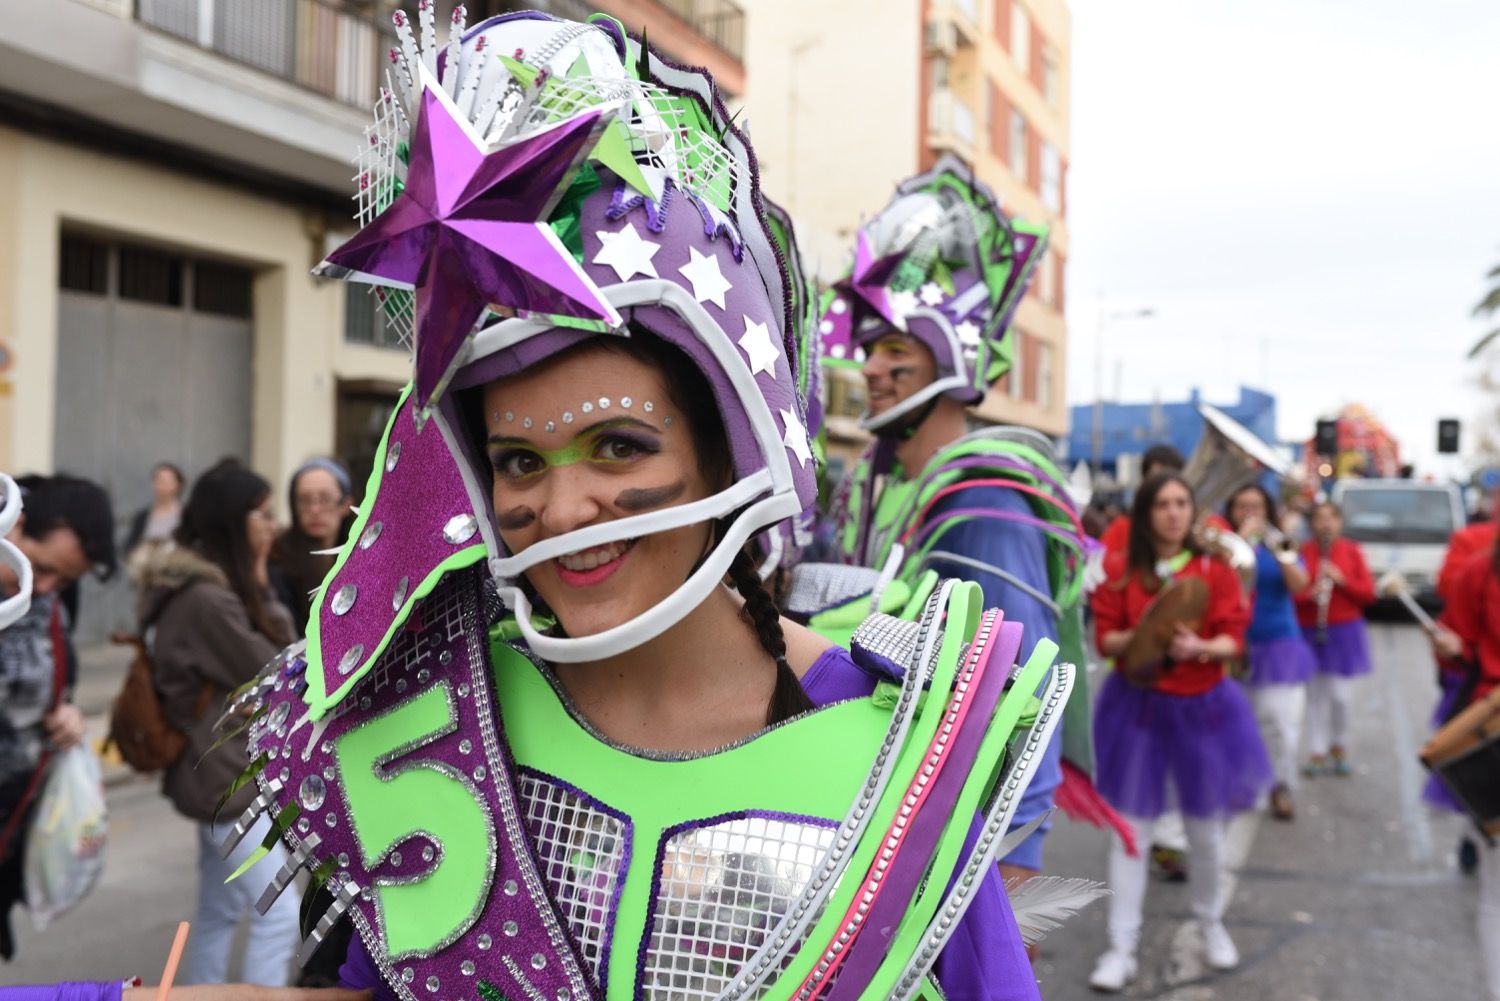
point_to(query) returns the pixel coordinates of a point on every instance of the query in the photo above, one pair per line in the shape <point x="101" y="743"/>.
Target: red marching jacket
<point x="1348" y="601"/>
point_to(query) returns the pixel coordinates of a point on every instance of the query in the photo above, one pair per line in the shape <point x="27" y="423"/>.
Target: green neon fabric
<point x="417" y="917"/>
<point x="658" y="795"/>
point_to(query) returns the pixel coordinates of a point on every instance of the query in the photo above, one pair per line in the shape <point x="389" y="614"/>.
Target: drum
<point x="1184" y="601"/>
<point x="1464" y="754"/>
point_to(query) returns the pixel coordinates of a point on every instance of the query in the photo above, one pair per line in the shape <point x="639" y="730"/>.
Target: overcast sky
<point x="1305" y="192"/>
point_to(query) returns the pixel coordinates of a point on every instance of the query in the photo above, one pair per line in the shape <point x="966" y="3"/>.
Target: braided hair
<point x="788" y="698"/>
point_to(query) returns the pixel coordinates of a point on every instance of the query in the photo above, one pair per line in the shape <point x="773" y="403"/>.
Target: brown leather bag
<point x="138" y="724"/>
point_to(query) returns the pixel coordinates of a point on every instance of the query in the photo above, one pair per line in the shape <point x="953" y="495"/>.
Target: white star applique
<point x="932" y="294"/>
<point x="902" y="305"/>
<point x="626" y="252"/>
<point x="968" y="334"/>
<point x="709" y="283"/>
<point x="795" y="437"/>
<point x="759" y="347"/>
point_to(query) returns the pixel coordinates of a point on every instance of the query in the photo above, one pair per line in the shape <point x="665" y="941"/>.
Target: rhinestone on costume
<point x="567" y="417"/>
<point x="445" y="657"/>
<point x="463" y="690"/>
<point x="460" y="528"/>
<point x="424" y="676"/>
<point x="603" y="403"/>
<point x="511" y="929"/>
<point x="370" y="534"/>
<point x="312" y="792"/>
<point x="328" y="772"/>
<point x="392" y="457"/>
<point x="304" y="825"/>
<point x="285" y="775"/>
<point x="396" y="859"/>
<point x="408" y="974"/>
<point x="465" y="746"/>
<point x="538" y="961"/>
<point x="278" y="716"/>
<point x="484" y="942"/>
<point x="331" y="819"/>
<point x="467" y="967"/>
<point x="399" y="597"/>
<point x="511" y="889"/>
<point x="563" y="994"/>
<point x="351" y="658"/>
<point x="480" y="773"/>
<point x="400" y="685"/>
<point x="432" y="984"/>
<point x="625" y="402"/>
<point x="428" y="854"/>
<point x="343" y="599"/>
<point x="587" y="407"/>
<point x="344" y="859"/>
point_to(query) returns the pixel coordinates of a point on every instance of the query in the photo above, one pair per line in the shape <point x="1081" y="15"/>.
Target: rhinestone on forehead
<point x="567" y="417"/>
<point x="587" y="407"/>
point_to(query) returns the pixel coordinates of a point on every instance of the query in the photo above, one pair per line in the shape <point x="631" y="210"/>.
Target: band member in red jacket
<point x="1190" y="740"/>
<point x="1330" y="611"/>
<point x="1469" y="632"/>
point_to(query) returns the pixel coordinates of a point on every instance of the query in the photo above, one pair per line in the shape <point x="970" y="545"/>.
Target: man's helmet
<point x="546" y="182"/>
<point x="943" y="264"/>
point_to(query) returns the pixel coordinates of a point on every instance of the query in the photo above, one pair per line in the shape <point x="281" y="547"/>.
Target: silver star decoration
<point x="759" y="347"/>
<point x="968" y="334"/>
<point x="626" y="252"/>
<point x="709" y="283"/>
<point x="903" y="304"/>
<point x="932" y="294"/>
<point x="795" y="437"/>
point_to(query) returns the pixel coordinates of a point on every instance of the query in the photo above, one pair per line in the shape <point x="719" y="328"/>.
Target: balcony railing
<point x="948" y="117"/>
<point x="722" y="22"/>
<point x="319" y="44"/>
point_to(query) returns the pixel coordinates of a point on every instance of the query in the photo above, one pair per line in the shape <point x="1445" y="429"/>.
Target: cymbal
<point x="1183" y="601"/>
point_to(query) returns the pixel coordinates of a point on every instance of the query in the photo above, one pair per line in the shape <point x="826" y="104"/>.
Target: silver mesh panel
<point x="581" y="852"/>
<point x="817" y="587"/>
<point x="721" y="890"/>
<point x="892" y="638"/>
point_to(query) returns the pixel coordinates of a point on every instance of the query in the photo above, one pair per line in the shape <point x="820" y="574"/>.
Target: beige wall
<point x="298" y="321"/>
<point x="834" y="123"/>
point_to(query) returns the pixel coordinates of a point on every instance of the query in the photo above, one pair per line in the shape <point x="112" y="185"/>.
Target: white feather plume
<point x="1043" y="903"/>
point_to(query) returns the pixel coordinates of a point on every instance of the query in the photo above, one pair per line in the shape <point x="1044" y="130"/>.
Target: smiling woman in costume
<point x="549" y="736"/>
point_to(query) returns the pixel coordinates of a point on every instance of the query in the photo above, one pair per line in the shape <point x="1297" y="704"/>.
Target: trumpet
<point x="1229" y="547"/>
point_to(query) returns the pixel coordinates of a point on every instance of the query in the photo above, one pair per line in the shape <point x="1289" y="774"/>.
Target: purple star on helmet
<point x="709" y="283"/>
<point x="759" y="348"/>
<point x="794" y="437"/>
<point x="469" y="233"/>
<point x="869" y="277"/>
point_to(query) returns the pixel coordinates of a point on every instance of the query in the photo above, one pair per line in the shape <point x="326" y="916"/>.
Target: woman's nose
<point x="571" y="501"/>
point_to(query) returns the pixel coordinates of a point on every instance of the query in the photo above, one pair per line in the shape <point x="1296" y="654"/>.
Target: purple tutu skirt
<point x="1156" y="752"/>
<point x="1434" y="793"/>
<point x="1287" y="660"/>
<point x="1346" y="651"/>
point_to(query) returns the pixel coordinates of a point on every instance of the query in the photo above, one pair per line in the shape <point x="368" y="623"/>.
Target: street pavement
<point x="1358" y="900"/>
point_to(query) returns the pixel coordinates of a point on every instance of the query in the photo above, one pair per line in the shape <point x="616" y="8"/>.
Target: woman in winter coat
<point x="211" y="623"/>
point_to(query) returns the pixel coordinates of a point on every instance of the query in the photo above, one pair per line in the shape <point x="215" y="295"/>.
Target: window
<point x="84" y="265"/>
<point x="222" y="289"/>
<point x="1020" y="39"/>
<point x="364" y="318"/>
<point x="1044" y="367"/>
<point x="1051" y="84"/>
<point x="1050" y="184"/>
<point x="1018" y="145"/>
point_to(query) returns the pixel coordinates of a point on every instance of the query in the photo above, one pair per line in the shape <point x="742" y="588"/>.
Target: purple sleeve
<point x="359" y="972"/>
<point x="70" y="990"/>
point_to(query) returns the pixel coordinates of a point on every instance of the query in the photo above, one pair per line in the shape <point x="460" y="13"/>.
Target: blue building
<point x="1128" y="429"/>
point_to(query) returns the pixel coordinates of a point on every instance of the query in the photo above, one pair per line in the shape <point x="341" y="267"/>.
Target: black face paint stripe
<point x="645" y="498"/>
<point x="901" y="372"/>
<point x="516" y="517"/>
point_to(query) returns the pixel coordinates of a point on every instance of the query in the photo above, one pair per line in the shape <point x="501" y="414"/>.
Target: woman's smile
<point x="589" y="567"/>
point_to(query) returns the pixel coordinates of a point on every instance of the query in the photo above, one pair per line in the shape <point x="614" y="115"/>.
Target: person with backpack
<point x="66" y="530"/>
<point x="211" y="623"/>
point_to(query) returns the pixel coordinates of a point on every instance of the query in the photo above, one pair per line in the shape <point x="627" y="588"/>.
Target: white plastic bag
<point x="65" y="849"/>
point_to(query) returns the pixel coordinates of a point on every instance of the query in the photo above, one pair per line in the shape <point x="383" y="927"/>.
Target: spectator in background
<point x="320" y="496"/>
<point x="66" y="530"/>
<point x="214" y="624"/>
<point x="155" y="523"/>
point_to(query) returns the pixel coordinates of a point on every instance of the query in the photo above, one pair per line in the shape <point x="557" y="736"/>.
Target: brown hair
<point x="1141" y="553"/>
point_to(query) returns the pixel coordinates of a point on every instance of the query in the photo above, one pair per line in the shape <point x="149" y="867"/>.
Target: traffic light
<point x="1326" y="441"/>
<point x="1447" y="436"/>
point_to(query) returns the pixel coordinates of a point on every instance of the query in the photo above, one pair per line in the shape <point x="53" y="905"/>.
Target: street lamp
<point x="1105" y="316"/>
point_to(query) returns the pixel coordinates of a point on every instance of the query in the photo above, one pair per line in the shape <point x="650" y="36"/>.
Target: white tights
<point x="1278" y="710"/>
<point x="1327" y="712"/>
<point x="1489" y="918"/>
<point x="1127" y="877"/>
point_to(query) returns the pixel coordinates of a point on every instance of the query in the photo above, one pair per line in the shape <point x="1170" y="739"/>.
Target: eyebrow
<point x="603" y="425"/>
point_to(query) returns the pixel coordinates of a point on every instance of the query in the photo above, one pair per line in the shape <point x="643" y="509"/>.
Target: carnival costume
<point x="1188" y="742"/>
<point x="1333" y="624"/>
<point x="1280" y="664"/>
<point x="418" y="756"/>
<point x="942" y="264"/>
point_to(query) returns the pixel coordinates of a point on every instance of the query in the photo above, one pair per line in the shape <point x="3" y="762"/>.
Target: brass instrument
<point x="1228" y="456"/>
<point x="1230" y="548"/>
<point x="1323" y="588"/>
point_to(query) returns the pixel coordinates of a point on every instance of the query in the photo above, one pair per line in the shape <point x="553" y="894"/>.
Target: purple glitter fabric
<point x="1202" y="753"/>
<point x="1284" y="661"/>
<point x="1346" y="651"/>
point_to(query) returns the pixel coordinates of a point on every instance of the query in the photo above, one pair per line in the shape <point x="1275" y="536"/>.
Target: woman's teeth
<point x="588" y="559"/>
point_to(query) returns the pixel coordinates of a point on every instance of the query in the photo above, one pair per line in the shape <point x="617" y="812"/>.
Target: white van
<point x="1403" y="525"/>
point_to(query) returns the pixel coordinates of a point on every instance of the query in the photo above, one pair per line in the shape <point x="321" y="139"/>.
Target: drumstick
<point x="1392" y="585"/>
<point x="173" y="958"/>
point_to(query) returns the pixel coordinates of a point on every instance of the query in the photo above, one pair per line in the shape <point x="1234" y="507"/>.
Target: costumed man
<point x="924" y="311"/>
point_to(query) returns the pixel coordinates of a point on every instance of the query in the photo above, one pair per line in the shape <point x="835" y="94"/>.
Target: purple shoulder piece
<point x="67" y="990"/>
